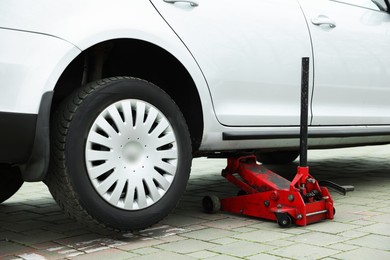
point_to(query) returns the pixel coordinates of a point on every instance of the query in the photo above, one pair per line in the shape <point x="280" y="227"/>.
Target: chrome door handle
<point x="193" y="3"/>
<point x="322" y="19"/>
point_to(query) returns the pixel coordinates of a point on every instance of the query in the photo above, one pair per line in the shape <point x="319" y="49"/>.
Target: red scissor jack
<point x="267" y="195"/>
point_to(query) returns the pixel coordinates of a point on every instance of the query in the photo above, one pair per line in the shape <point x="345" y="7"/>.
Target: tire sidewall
<point x="86" y="113"/>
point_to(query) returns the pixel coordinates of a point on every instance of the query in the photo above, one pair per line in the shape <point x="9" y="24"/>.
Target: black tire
<point x="70" y="178"/>
<point x="11" y="181"/>
<point x="279" y="157"/>
<point x="211" y="204"/>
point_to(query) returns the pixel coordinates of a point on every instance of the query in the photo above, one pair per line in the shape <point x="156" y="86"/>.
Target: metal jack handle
<point x="304" y="112"/>
<point x="303" y="170"/>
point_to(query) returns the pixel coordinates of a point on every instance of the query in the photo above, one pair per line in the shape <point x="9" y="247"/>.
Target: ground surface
<point x="33" y="227"/>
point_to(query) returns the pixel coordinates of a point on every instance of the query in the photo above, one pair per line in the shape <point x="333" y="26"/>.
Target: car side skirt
<point x="313" y="133"/>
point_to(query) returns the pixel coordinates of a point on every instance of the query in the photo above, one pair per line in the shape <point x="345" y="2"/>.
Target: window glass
<point x="378" y="5"/>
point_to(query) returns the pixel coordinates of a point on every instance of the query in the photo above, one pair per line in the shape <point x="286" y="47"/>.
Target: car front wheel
<point x="122" y="154"/>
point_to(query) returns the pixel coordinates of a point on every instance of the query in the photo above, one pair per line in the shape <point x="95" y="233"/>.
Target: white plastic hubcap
<point x="131" y="154"/>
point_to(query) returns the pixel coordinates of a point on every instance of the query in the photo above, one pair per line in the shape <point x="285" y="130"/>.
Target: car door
<point x="351" y="43"/>
<point x="249" y="52"/>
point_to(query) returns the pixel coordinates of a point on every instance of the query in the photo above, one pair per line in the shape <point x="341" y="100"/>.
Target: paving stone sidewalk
<point x="33" y="227"/>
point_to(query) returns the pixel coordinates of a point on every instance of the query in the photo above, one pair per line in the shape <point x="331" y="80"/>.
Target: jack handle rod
<point x="304" y="112"/>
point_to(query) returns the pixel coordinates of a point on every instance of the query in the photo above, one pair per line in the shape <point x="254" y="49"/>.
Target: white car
<point x="109" y="101"/>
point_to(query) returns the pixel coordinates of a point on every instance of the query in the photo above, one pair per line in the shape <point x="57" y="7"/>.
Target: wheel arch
<point x="141" y="59"/>
<point x="117" y="57"/>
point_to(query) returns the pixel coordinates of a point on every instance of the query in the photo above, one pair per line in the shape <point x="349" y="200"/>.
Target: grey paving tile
<point x="39" y="236"/>
<point x="362" y="222"/>
<point x="165" y="255"/>
<point x="331" y="227"/>
<point x="32" y="255"/>
<point x="161" y="231"/>
<point x="243" y="229"/>
<point x="58" y="252"/>
<point x="109" y="253"/>
<point x="194" y="227"/>
<point x="224" y="241"/>
<point x="146" y="251"/>
<point x="223" y="257"/>
<point x="372" y="241"/>
<point x="178" y="220"/>
<point x="9" y="248"/>
<point x="45" y="245"/>
<point x="202" y="254"/>
<point x="173" y="238"/>
<point x="342" y="247"/>
<point x="47" y="210"/>
<point x="20" y="217"/>
<point x="347" y="216"/>
<point x="295" y="230"/>
<point x="241" y="249"/>
<point x="317" y="238"/>
<point x="66" y="227"/>
<point x="263" y="256"/>
<point x="379" y="228"/>
<point x="303" y="251"/>
<point x="186" y="246"/>
<point x="355" y="200"/>
<point x="78" y="239"/>
<point x="279" y="243"/>
<point x="364" y="253"/>
<point x="9" y="235"/>
<point x="208" y="234"/>
<point x="137" y="243"/>
<point x="265" y="225"/>
<point x="262" y="235"/>
<point x="15" y="208"/>
<point x="385" y="208"/>
<point x="353" y="234"/>
<point x="228" y="223"/>
<point x="382" y="218"/>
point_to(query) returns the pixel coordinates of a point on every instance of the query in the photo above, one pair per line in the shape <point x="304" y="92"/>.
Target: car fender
<point x="85" y="24"/>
